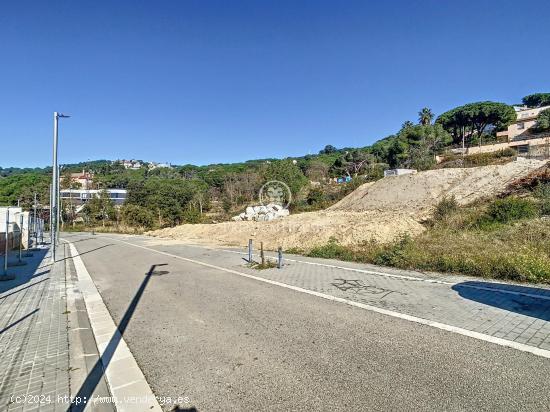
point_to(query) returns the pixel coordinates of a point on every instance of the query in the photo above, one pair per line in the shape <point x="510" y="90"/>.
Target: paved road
<point x="231" y="342"/>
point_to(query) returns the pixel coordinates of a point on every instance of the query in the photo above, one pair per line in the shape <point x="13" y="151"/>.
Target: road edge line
<point x="128" y="370"/>
<point x="442" y="326"/>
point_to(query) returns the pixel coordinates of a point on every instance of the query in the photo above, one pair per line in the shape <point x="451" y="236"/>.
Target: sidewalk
<point x="34" y="345"/>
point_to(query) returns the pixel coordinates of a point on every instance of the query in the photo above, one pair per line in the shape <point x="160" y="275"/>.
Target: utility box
<point x="13" y="217"/>
<point x="15" y="229"/>
<point x="399" y="172"/>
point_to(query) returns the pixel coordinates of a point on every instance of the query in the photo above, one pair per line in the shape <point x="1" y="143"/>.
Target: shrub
<point x="316" y="196"/>
<point x="191" y="215"/>
<point x="395" y="254"/>
<point x="542" y="191"/>
<point x="511" y="208"/>
<point x="332" y="250"/>
<point x="134" y="215"/>
<point x="545" y="207"/>
<point x="446" y="207"/>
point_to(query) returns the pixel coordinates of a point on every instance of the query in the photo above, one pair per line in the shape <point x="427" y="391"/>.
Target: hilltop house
<point x="520" y="135"/>
<point x="523" y="126"/>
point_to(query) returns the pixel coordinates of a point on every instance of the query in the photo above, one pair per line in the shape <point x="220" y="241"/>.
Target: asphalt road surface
<point x="233" y="343"/>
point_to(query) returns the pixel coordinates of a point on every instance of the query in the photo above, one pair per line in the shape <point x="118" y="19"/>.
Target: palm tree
<point x="425" y="116"/>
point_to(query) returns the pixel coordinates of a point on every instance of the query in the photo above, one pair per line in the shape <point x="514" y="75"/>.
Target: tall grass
<point x="503" y="239"/>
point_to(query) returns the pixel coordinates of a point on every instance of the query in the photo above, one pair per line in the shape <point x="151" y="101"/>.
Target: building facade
<point x="80" y="196"/>
<point x="523" y="126"/>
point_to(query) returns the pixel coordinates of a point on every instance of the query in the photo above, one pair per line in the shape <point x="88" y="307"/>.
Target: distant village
<point x="134" y="164"/>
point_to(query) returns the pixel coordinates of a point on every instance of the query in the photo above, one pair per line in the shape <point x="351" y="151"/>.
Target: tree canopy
<point x="471" y="120"/>
<point x="425" y="116"/>
<point x="543" y="121"/>
<point x="537" y="100"/>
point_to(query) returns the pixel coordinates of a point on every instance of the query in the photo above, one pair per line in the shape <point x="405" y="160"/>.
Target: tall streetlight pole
<point x="55" y="185"/>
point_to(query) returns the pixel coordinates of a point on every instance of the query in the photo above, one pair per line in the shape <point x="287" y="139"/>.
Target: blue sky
<point x="222" y="81"/>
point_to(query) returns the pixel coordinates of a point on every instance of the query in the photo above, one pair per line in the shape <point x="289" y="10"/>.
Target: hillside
<point x="380" y="211"/>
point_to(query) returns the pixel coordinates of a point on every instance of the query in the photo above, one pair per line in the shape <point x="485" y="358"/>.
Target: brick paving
<point x="34" y="345"/>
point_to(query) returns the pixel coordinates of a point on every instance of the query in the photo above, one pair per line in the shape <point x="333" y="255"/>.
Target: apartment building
<point x="523" y="126"/>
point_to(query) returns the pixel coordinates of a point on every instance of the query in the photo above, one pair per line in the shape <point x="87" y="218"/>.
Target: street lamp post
<point x="55" y="185"/>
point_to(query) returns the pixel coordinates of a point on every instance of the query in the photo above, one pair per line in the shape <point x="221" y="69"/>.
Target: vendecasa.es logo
<point x="276" y="192"/>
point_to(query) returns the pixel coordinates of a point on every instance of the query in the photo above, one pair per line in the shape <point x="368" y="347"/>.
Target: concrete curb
<point x="127" y="384"/>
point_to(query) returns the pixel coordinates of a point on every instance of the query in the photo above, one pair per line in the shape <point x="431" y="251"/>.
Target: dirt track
<point x="380" y="211"/>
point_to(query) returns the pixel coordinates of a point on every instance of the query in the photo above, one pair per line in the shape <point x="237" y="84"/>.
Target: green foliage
<point x="332" y="250"/>
<point x="287" y="172"/>
<point x="22" y="187"/>
<point x="445" y="208"/>
<point x="511" y="208"/>
<point x="191" y="215"/>
<point x="167" y="198"/>
<point x="137" y="216"/>
<point x="479" y="159"/>
<point x="394" y="254"/>
<point x="519" y="251"/>
<point x="425" y="116"/>
<point x="329" y="149"/>
<point x="542" y="191"/>
<point x="543" y="121"/>
<point x="413" y="147"/>
<point x="100" y="209"/>
<point x="352" y="163"/>
<point x="537" y="100"/>
<point x="471" y="120"/>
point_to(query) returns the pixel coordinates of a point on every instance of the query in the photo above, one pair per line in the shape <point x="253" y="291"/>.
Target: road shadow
<point x="96" y="373"/>
<point x="81" y="240"/>
<point x="524" y="300"/>
<point x="23" y="274"/>
<point x="79" y="254"/>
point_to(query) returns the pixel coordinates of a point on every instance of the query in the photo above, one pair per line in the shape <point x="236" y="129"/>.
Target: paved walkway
<point x="34" y="345"/>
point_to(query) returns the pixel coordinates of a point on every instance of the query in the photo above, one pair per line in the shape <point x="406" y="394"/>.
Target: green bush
<point x="446" y="207"/>
<point x="545" y="207"/>
<point x="139" y="216"/>
<point x="542" y="191"/>
<point x="511" y="208"/>
<point x="395" y="254"/>
<point x="332" y="250"/>
<point x="191" y="215"/>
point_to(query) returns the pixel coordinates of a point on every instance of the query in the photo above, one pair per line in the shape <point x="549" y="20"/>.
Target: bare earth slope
<point x="379" y="211"/>
<point x="417" y="194"/>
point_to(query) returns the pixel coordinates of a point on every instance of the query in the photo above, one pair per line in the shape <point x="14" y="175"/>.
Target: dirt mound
<point x="417" y="194"/>
<point x="301" y="230"/>
<point x="380" y="211"/>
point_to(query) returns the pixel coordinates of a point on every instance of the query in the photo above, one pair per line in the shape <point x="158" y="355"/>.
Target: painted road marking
<point x="115" y="370"/>
<point x="449" y="328"/>
<point x="405" y="277"/>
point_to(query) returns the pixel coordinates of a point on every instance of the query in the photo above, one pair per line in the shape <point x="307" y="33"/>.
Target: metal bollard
<point x="249" y="250"/>
<point x="20" y="237"/>
<point x="262" y="256"/>
<point x="20" y="261"/>
<point x="6" y="246"/>
<point x="279" y="257"/>
<point x="4" y="275"/>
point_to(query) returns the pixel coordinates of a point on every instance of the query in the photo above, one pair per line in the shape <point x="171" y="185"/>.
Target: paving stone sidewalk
<point x="34" y="344"/>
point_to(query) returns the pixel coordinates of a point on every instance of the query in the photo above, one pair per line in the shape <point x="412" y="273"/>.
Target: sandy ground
<point x="418" y="194"/>
<point x="380" y="211"/>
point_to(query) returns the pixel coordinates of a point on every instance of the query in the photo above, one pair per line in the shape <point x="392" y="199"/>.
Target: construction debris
<point x="262" y="213"/>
